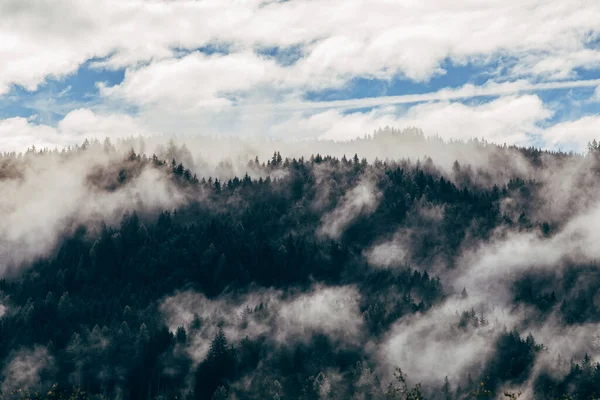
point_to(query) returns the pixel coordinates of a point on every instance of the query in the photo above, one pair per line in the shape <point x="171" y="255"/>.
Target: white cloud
<point x="195" y="81"/>
<point x="410" y="38"/>
<point x="561" y="65"/>
<point x="507" y="119"/>
<point x="489" y="89"/>
<point x="180" y="90"/>
<point x="188" y="96"/>
<point x="573" y="135"/>
<point x="19" y="133"/>
<point x="333" y="124"/>
<point x="596" y="96"/>
<point x="84" y="122"/>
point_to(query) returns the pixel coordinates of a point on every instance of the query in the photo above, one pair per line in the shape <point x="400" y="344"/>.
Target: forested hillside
<point x="305" y="277"/>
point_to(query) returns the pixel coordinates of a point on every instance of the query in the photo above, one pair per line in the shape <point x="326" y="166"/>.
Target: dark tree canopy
<point x="93" y="307"/>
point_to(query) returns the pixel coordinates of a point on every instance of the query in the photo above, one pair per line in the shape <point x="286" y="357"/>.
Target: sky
<point x="523" y="72"/>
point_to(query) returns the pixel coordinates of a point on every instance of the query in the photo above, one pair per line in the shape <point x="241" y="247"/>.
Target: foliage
<point x="94" y="303"/>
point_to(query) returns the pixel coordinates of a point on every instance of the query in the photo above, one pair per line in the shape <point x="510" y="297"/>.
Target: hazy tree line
<point x="93" y="305"/>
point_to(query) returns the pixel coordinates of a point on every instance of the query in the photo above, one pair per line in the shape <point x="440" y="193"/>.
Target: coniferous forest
<point x="301" y="277"/>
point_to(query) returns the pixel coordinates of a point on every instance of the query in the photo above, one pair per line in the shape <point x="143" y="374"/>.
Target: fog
<point x="288" y="317"/>
<point x="51" y="195"/>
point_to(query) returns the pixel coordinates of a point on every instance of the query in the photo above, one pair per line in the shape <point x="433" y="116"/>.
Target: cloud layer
<point x="252" y="68"/>
<point x="408" y="38"/>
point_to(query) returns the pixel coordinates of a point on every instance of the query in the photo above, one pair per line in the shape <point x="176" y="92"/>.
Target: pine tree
<point x="216" y="369"/>
<point x="220" y="394"/>
<point x="446" y="389"/>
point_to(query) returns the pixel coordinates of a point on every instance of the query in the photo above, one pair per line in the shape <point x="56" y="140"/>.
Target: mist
<point x="415" y="253"/>
<point x="53" y="196"/>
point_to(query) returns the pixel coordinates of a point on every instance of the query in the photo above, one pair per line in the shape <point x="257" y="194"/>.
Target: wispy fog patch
<point x="226" y="155"/>
<point x="331" y="310"/>
<point x="290" y="318"/>
<point x="54" y="195"/>
<point x="362" y="199"/>
<point x="28" y="369"/>
<point x="431" y="346"/>
<point x="202" y="317"/>
<point x="404" y="246"/>
<point x="487" y="269"/>
<point x="564" y="345"/>
<point x="387" y="254"/>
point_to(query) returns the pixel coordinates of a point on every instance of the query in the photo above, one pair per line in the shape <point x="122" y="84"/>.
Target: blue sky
<point x="522" y="73"/>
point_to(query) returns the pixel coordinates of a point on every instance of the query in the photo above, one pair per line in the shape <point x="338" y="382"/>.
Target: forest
<point x="132" y="275"/>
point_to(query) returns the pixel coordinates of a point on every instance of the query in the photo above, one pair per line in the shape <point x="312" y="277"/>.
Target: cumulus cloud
<point x="573" y="135"/>
<point x="509" y="116"/>
<point x="175" y="87"/>
<point x="195" y="81"/>
<point x="84" y="122"/>
<point x="19" y="133"/>
<point x="52" y="39"/>
<point x="509" y="119"/>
